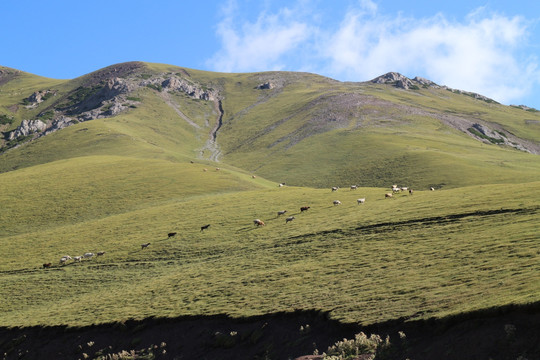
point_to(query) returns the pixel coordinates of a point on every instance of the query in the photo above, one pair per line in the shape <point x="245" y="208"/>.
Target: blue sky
<point x="491" y="47"/>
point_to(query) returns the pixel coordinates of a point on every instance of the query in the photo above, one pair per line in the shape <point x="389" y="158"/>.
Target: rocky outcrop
<point x="193" y="90"/>
<point x="26" y="128"/>
<point x="265" y="86"/>
<point x="395" y="79"/>
<point x="58" y="124"/>
<point x="403" y="82"/>
<point x="38" y="97"/>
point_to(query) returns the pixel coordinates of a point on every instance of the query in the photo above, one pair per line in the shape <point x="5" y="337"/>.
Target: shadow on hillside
<point x="498" y="333"/>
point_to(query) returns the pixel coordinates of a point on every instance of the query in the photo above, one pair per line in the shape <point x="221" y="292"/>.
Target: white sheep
<point x="361" y="201"/>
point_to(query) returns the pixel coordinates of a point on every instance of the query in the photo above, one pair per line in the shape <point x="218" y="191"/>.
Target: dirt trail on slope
<point x="165" y="96"/>
<point x="211" y="144"/>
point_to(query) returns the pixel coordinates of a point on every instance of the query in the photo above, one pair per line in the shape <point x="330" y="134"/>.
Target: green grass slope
<point x="114" y="183"/>
<point x="429" y="254"/>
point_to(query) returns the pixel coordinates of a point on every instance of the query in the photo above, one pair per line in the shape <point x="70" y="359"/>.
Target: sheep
<point x="281" y="184"/>
<point x="335" y="188"/>
<point x="290" y="218"/>
<point x="281" y="212"/>
<point x="253" y="177"/>
<point x="432" y="188"/>
<point x="361" y="201"/>
<point x="64" y="259"/>
<point x="304" y="208"/>
<point x="388" y="195"/>
<point x="171" y="234"/>
<point x="205" y="169"/>
<point x="100" y="253"/>
<point x="217" y="169"/>
<point x="77" y="258"/>
<point x="354" y="187"/>
<point x="88" y="255"/>
<point x="404" y="188"/>
<point x="337" y="202"/>
<point x="410" y="191"/>
<point x="47" y="265"/>
<point x="205" y="227"/>
<point x="258" y="222"/>
<point x="396" y="190"/>
<point x="144" y="246"/>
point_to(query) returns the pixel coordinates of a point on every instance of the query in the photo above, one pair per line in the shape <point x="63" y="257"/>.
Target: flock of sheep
<point x="395" y="189"/>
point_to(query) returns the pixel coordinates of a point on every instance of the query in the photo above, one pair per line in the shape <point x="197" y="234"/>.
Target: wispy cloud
<point x="254" y="46"/>
<point x="481" y="53"/>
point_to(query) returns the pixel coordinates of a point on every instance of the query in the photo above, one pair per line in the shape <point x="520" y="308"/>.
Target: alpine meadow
<point x="128" y="164"/>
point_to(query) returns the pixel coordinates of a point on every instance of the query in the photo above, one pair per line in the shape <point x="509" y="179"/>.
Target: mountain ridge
<point x="240" y="119"/>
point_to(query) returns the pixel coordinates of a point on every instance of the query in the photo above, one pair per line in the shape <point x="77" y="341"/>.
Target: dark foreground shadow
<point x="508" y="332"/>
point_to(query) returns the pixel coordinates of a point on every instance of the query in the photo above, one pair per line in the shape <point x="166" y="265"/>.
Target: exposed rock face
<point x="174" y="83"/>
<point x="38" y="96"/>
<point x="26" y="128"/>
<point x="265" y="86"/>
<point x="58" y="124"/>
<point x="394" y="78"/>
<point x="424" y="81"/>
<point x="496" y="137"/>
<point x="403" y="82"/>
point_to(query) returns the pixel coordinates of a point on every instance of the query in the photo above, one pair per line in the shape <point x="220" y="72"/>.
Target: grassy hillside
<point x="430" y="254"/>
<point x="118" y="181"/>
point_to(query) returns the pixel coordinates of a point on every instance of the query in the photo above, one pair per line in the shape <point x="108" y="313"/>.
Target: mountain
<point x="298" y="128"/>
<point x="187" y="191"/>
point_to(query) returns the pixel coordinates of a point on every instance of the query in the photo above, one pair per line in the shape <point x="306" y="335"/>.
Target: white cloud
<point x="260" y="45"/>
<point x="482" y="53"/>
<point x="478" y="55"/>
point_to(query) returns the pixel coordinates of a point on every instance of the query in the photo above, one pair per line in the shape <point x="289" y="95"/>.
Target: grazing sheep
<point x="205" y="227"/>
<point x="171" y="234"/>
<point x="253" y="176"/>
<point x="77" y="258"/>
<point x="281" y="212"/>
<point x="335" y="188"/>
<point x="388" y="195"/>
<point x="281" y="184"/>
<point x="204" y="169"/>
<point x="64" y="259"/>
<point x="304" y="208"/>
<point x="144" y="246"/>
<point x="217" y="169"/>
<point x="47" y="265"/>
<point x="432" y="188"/>
<point x="354" y="187"/>
<point x="258" y="222"/>
<point x="290" y="218"/>
<point x="404" y="188"/>
<point x="337" y="202"/>
<point x="101" y="253"/>
<point x="361" y="201"/>
<point x="88" y="255"/>
<point x="410" y="191"/>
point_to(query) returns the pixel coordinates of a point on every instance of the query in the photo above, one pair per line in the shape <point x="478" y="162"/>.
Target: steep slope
<point x="298" y="128"/>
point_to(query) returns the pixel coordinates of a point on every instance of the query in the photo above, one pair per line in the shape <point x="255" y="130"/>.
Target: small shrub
<point x="157" y="87"/>
<point x="4" y="119"/>
<point x="360" y="345"/>
<point x="47" y="115"/>
<point x="134" y="98"/>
